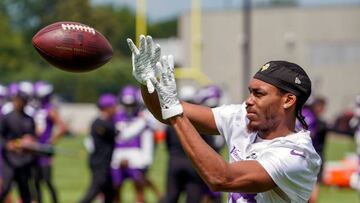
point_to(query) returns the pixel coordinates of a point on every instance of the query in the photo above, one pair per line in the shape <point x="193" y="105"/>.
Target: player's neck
<point x="282" y="129"/>
<point x="274" y="134"/>
<point x="105" y="116"/>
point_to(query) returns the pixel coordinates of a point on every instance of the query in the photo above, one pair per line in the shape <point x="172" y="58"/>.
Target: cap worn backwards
<point x="287" y="76"/>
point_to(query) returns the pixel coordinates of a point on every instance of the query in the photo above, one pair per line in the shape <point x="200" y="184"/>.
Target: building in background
<point x="323" y="40"/>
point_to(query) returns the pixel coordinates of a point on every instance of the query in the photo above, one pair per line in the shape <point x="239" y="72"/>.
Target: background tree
<point x="20" y="20"/>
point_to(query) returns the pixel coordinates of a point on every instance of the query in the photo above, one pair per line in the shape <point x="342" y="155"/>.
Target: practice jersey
<point x="134" y="141"/>
<point x="317" y="127"/>
<point x="103" y="135"/>
<point x="15" y="125"/>
<point x="44" y="124"/>
<point x="291" y="161"/>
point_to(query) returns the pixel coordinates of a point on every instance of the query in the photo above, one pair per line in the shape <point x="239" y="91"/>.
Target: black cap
<point x="287" y="76"/>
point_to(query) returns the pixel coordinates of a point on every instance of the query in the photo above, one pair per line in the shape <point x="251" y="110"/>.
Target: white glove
<point x="144" y="60"/>
<point x="166" y="88"/>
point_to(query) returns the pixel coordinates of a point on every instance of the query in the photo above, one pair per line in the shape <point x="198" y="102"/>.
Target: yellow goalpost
<point x="194" y="71"/>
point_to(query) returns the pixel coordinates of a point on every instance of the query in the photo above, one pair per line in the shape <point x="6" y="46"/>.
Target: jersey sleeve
<point x="294" y="172"/>
<point x="225" y="116"/>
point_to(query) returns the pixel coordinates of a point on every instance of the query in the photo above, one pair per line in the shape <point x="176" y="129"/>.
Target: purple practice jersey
<point x="318" y="129"/>
<point x="310" y="119"/>
<point x="44" y="128"/>
<point x="44" y="124"/>
<point x="134" y="141"/>
<point x="122" y="121"/>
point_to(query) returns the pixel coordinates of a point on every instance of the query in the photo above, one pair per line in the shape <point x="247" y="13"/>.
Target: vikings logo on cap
<point x="287" y="76"/>
<point x="265" y="67"/>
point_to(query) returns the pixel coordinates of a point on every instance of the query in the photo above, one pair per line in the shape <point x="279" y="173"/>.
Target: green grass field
<point x="72" y="176"/>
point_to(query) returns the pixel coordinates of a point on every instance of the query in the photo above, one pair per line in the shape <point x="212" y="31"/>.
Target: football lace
<point x="78" y="27"/>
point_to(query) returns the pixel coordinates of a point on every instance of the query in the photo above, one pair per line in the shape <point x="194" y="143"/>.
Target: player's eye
<point x="257" y="93"/>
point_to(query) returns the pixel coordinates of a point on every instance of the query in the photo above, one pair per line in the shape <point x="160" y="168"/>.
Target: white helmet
<point x="187" y="93"/>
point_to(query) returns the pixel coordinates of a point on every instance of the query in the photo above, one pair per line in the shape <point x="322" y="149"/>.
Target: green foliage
<point x="10" y="46"/>
<point x="164" y="29"/>
<point x="86" y="87"/>
<point x="74" y="10"/>
<point x="20" y="20"/>
<point x="120" y="25"/>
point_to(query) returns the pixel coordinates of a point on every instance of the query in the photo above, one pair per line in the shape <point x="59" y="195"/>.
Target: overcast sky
<point x="160" y="9"/>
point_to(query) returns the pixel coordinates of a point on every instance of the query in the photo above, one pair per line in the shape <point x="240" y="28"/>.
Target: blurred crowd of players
<point x="121" y="144"/>
<point x="127" y="129"/>
<point x="28" y="118"/>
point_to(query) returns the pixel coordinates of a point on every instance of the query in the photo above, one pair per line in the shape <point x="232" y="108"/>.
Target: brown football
<point x="72" y="46"/>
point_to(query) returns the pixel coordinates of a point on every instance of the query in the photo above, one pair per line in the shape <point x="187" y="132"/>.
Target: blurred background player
<point x="27" y="88"/>
<point x="355" y="123"/>
<point x="182" y="177"/>
<point x="313" y="111"/>
<point x="103" y="134"/>
<point x="133" y="152"/>
<point x="17" y="129"/>
<point x="158" y="130"/>
<point x="3" y="100"/>
<point x="211" y="96"/>
<point x="3" y="97"/>
<point x="46" y="119"/>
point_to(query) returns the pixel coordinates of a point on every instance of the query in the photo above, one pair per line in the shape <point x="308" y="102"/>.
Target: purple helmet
<point x="24" y="89"/>
<point x="43" y="89"/>
<point x="209" y="96"/>
<point x="129" y="95"/>
<point x="106" y="100"/>
<point x="13" y="89"/>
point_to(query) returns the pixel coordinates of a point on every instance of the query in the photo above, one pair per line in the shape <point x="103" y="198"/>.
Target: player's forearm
<point x="201" y="117"/>
<point x="210" y="165"/>
<point x="62" y="128"/>
<point x="57" y="136"/>
<point x="152" y="103"/>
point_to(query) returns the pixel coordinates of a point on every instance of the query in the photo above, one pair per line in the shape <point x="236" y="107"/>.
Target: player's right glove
<point x="166" y="88"/>
<point x="144" y="60"/>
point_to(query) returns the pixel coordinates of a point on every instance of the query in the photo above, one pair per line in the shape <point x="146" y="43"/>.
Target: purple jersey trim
<point x="250" y="198"/>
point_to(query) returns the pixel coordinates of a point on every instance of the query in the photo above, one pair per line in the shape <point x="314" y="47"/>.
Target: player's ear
<point x="290" y="100"/>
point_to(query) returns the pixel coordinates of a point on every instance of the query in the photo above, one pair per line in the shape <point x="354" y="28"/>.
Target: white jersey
<point x="139" y="156"/>
<point x="291" y="161"/>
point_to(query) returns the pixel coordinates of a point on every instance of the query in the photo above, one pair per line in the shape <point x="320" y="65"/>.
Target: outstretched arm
<point x="242" y="176"/>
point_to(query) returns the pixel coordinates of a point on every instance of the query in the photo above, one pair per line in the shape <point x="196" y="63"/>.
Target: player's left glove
<point x="144" y="60"/>
<point x="166" y="88"/>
